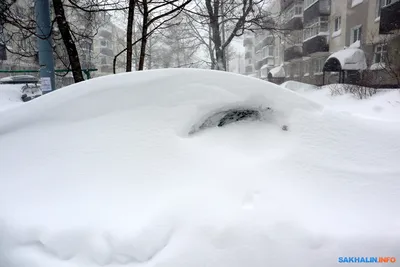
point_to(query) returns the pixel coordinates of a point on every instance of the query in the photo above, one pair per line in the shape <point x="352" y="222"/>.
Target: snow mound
<point x="200" y="89"/>
<point x="298" y="86"/>
<point x="106" y="179"/>
<point x="10" y="96"/>
<point x="383" y="105"/>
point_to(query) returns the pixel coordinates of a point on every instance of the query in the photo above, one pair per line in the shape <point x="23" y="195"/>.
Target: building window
<point x="306" y="68"/>
<point x="259" y="55"/>
<point x="264" y="52"/>
<point x="318" y="65"/>
<point x="355" y="34"/>
<point x="298" y="10"/>
<point x="380" y="4"/>
<point x="287" y="70"/>
<point x="267" y="51"/>
<point x="380" y="54"/>
<point x="315" y="27"/>
<point x="24" y="44"/>
<point x="3" y="52"/>
<point x="296" y="69"/>
<point x="338" y="23"/>
<point x="308" y="3"/>
<point x="271" y="51"/>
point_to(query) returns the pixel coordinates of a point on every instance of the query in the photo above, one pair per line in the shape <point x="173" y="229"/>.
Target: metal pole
<point x="44" y="42"/>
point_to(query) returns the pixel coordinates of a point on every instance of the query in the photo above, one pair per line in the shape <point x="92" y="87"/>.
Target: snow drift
<point x="10" y="96"/>
<point x="298" y="86"/>
<point x="111" y="177"/>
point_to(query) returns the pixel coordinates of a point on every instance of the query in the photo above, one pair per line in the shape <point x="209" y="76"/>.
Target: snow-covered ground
<point x="10" y="96"/>
<point x="385" y="104"/>
<point x="104" y="173"/>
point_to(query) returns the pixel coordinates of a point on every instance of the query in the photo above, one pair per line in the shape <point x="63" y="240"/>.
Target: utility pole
<point x="45" y="47"/>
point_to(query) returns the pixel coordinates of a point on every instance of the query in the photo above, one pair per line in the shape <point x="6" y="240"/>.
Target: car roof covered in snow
<point x="17" y="79"/>
<point x="203" y="89"/>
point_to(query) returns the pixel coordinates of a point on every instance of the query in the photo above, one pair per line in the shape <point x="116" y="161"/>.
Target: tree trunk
<point x="213" y="11"/>
<point x="210" y="50"/>
<point x="144" y="37"/>
<point x="223" y="33"/>
<point x="69" y="43"/>
<point x="220" y="58"/>
<point x="129" y="35"/>
<point x="149" y="58"/>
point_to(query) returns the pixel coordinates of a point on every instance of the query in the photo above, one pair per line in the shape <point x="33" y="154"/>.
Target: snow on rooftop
<point x="100" y="174"/>
<point x="278" y="72"/>
<point x="350" y="59"/>
<point x="265" y="66"/>
<point x="356" y="44"/>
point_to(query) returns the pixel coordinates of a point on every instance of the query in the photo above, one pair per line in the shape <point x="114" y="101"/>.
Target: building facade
<point x="316" y="32"/>
<point x="249" y="54"/>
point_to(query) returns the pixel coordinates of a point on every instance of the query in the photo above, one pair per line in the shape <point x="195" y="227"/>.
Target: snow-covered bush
<point x="359" y="91"/>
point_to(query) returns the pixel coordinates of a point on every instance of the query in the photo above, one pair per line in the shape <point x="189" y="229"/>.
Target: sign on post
<point x="45" y="84"/>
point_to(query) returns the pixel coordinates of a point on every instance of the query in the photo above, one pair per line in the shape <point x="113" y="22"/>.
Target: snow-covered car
<point x="29" y="86"/>
<point x="190" y="168"/>
<point x="19" y="79"/>
<point x="30" y="91"/>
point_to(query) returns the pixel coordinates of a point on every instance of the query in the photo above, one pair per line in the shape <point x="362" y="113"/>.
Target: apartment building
<point x="292" y="24"/>
<point x="330" y="41"/>
<point x="264" y="53"/>
<point x="107" y="43"/>
<point x="262" y="49"/>
<point x="12" y="39"/>
<point x="249" y="54"/>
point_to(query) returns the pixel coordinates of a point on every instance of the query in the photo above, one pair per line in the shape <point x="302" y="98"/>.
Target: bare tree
<point x="69" y="42"/>
<point x="154" y="15"/>
<point x="129" y="35"/>
<point x="176" y="46"/>
<point x="384" y="60"/>
<point x="223" y="20"/>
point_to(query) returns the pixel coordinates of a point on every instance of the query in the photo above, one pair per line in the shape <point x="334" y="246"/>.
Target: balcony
<point x="266" y="41"/>
<point x="106" y="32"/>
<point x="247" y="41"/>
<point x="316" y="44"/>
<point x="259" y="64"/>
<point x="248" y="55"/>
<point x="106" y="69"/>
<point x="318" y="9"/>
<point x="249" y="69"/>
<point x="390" y="18"/>
<point x="292" y="53"/>
<point x="286" y="3"/>
<point x="295" y="23"/>
<point x="107" y="51"/>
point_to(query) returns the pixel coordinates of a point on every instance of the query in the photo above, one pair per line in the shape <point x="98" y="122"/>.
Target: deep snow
<point x="10" y="96"/>
<point x="109" y="177"/>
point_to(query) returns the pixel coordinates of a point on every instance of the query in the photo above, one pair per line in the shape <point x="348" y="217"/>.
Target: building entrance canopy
<point x="346" y="59"/>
